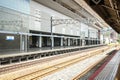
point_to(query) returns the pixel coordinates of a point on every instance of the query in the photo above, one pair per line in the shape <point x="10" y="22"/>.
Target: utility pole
<point x="88" y="36"/>
<point x="52" y="39"/>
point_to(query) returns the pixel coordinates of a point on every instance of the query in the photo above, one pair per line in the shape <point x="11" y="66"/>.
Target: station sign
<point x="10" y="38"/>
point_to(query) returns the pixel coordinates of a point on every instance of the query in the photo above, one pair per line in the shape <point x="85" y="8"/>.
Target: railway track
<point x="51" y="69"/>
<point x="14" y="67"/>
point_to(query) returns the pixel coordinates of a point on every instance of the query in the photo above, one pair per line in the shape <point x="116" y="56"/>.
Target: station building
<point x="30" y="24"/>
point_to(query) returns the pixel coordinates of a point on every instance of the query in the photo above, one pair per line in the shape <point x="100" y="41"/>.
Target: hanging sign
<point x="96" y="2"/>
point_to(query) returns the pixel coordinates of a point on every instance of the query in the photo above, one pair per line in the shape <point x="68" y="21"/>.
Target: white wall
<point x="93" y="33"/>
<point x="43" y="24"/>
<point x="84" y="30"/>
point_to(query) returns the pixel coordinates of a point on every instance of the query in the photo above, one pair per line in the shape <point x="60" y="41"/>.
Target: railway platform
<point x="25" y="56"/>
<point x="108" y="70"/>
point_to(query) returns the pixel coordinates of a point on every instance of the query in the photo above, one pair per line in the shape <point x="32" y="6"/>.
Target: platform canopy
<point x="109" y="10"/>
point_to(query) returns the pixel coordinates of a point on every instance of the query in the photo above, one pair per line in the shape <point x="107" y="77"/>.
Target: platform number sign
<point x="9" y="38"/>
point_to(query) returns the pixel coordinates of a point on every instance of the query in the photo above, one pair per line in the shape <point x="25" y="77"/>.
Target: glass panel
<point x="11" y="20"/>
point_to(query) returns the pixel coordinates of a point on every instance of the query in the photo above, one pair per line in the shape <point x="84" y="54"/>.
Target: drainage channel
<point x="95" y="68"/>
